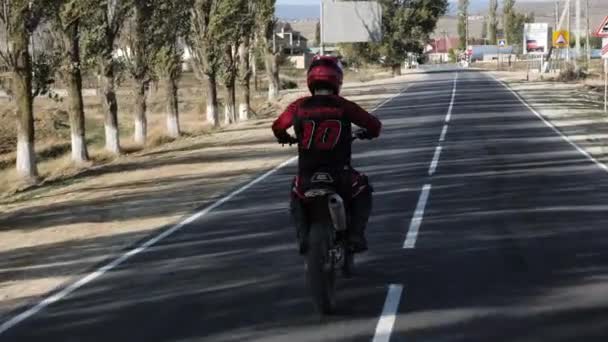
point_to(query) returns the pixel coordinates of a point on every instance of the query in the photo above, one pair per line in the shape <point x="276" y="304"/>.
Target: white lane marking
<point x="99" y="272"/>
<point x="384" y="329"/>
<point x="15" y="320"/>
<point x="443" y="133"/>
<point x="550" y="125"/>
<point x="435" y="161"/>
<point x="448" y="117"/>
<point x="412" y="233"/>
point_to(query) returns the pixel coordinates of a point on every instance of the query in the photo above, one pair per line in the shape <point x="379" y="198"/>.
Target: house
<point x="489" y="53"/>
<point x="438" y="49"/>
<point x="290" y="42"/>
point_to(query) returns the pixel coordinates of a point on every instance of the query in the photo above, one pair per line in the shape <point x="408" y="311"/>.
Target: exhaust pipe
<point x="337" y="212"/>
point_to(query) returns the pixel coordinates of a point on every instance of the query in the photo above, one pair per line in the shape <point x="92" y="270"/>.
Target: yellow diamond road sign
<point x="561" y="39"/>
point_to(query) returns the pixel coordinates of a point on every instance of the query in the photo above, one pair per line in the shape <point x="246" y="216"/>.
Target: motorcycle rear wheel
<point x="320" y="268"/>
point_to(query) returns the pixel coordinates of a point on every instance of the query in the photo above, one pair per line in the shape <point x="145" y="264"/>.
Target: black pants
<point x="359" y="208"/>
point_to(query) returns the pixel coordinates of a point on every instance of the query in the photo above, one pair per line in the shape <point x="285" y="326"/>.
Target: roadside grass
<point x="53" y="131"/>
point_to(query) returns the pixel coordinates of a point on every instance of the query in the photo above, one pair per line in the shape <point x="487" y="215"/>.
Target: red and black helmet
<point x="325" y="72"/>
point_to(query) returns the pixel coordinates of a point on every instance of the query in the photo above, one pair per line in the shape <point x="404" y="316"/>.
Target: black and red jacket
<point x="323" y="128"/>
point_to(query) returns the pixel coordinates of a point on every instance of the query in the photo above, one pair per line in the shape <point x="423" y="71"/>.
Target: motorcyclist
<point x="322" y="123"/>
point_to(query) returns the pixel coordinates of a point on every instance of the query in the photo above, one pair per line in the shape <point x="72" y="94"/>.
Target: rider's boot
<point x="301" y="224"/>
<point x="360" y="212"/>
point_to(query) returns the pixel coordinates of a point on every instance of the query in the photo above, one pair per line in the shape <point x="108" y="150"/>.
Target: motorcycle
<point x="328" y="247"/>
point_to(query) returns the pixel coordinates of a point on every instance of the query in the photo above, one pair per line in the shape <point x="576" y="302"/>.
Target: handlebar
<point x="360" y="134"/>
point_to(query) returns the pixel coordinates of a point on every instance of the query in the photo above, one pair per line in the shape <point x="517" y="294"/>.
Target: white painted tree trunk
<point x="173" y="129"/>
<point x="243" y="112"/>
<point x="26" y="159"/>
<point x="173" y="126"/>
<point x="141" y="130"/>
<point x="273" y="92"/>
<point x="212" y="115"/>
<point x="79" y="149"/>
<point x="229" y="114"/>
<point x="112" y="139"/>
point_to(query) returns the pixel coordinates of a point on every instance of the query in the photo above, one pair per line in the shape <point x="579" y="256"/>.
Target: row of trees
<point x="512" y="23"/>
<point x="406" y="27"/>
<point x="150" y="37"/>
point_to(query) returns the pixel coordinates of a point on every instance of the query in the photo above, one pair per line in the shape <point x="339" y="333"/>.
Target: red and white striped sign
<point x="605" y="48"/>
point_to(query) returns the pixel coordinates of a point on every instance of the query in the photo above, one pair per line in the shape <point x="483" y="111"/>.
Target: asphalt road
<point x="511" y="246"/>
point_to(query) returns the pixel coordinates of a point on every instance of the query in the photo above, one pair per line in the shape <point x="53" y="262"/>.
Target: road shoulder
<point x="572" y="108"/>
<point x="52" y="235"/>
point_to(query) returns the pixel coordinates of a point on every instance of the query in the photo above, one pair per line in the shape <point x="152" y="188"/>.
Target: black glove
<point x="287" y="139"/>
<point x="363" y="134"/>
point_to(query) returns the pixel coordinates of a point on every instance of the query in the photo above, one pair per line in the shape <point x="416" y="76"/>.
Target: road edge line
<point x="68" y="288"/>
<point x="549" y="124"/>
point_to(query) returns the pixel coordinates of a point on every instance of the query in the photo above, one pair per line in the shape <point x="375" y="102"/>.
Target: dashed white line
<point x="443" y="133"/>
<point x="15" y="320"/>
<point x="385" y="325"/>
<point x="448" y="116"/>
<point x="435" y="161"/>
<point x="412" y="233"/>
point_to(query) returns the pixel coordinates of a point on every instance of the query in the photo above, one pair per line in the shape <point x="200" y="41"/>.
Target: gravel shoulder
<point x="52" y="234"/>
<point x="575" y="108"/>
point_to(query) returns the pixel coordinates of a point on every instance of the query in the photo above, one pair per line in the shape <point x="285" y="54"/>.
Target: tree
<point x="493" y="22"/>
<point x="173" y="26"/>
<point x="66" y="28"/>
<point x="509" y="20"/>
<point x="238" y="22"/>
<point x="406" y="26"/>
<point x="484" y="30"/>
<point x="140" y="33"/>
<point x="463" y="18"/>
<point x="19" y="19"/>
<point x="519" y="22"/>
<point x="205" y="40"/>
<point x="245" y="59"/>
<point x="265" y="23"/>
<point x="318" y="34"/>
<point x="103" y="26"/>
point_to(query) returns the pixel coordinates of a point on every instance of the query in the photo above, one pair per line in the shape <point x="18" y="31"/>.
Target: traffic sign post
<point x="605" y="57"/>
<point x="501" y="43"/>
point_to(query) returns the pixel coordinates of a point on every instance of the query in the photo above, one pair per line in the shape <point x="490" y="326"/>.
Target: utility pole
<point x="466" y="28"/>
<point x="557" y="14"/>
<point x="321" y="31"/>
<point x="578" y="29"/>
<point x="569" y="30"/>
<point x="587" y="42"/>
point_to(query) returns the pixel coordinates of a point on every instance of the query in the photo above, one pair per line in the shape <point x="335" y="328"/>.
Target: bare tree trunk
<point x="212" y="113"/>
<point x="254" y="71"/>
<point x="396" y="70"/>
<point x="22" y="90"/>
<point x="73" y="79"/>
<point x="141" y="122"/>
<point x="272" y="71"/>
<point x="110" y="106"/>
<point x="172" y="107"/>
<point x="244" y="81"/>
<point x="230" y="110"/>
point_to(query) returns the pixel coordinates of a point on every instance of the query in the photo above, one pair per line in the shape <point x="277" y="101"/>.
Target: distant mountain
<point x="297" y="12"/>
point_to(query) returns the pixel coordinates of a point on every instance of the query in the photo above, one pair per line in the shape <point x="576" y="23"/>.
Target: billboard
<point x="350" y="21"/>
<point x="536" y="39"/>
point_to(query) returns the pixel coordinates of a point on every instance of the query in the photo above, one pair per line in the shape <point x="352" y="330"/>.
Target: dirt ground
<point x="51" y="234"/>
<point x="575" y="108"/>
